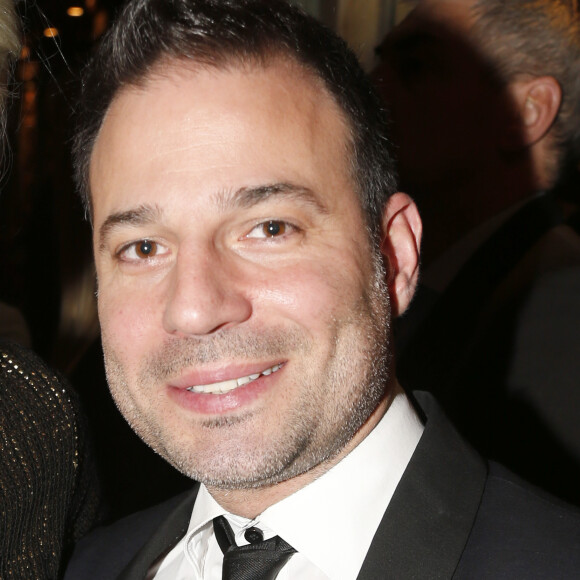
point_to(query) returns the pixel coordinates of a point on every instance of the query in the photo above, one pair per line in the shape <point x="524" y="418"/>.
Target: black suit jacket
<point x="452" y="516"/>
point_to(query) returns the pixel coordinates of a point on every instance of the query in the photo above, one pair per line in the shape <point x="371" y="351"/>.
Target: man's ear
<point x="537" y="102"/>
<point x="401" y="243"/>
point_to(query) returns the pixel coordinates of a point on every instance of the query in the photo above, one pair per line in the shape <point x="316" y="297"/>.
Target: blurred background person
<point x="485" y="99"/>
<point x="48" y="488"/>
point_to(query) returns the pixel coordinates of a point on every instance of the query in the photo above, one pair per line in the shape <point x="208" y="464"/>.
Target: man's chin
<point x="230" y="465"/>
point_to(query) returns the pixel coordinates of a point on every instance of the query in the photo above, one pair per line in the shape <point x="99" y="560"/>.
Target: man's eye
<point x="142" y="250"/>
<point x="270" y="229"/>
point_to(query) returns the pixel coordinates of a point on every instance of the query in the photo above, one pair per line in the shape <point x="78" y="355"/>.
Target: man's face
<point x="442" y="93"/>
<point x="244" y="318"/>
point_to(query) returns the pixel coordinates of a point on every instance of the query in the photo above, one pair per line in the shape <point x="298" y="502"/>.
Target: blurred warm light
<point x="100" y="22"/>
<point x="50" y="32"/>
<point x="25" y="53"/>
<point x="91" y="4"/>
<point x="75" y="11"/>
<point x="28" y="70"/>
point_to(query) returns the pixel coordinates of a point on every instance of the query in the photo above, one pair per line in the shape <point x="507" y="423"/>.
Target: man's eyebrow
<point x="247" y="197"/>
<point x="143" y="215"/>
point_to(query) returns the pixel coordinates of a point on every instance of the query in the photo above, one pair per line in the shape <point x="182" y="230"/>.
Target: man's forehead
<point x="278" y="69"/>
<point x="278" y="106"/>
<point x="182" y="67"/>
<point x="267" y="94"/>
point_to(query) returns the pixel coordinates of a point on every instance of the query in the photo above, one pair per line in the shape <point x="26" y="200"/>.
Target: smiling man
<point x="239" y="361"/>
<point x="251" y="251"/>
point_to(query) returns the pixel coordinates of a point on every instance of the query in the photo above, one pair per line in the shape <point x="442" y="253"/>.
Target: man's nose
<point x="205" y="294"/>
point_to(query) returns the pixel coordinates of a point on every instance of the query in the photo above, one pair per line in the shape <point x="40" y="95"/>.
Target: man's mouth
<point x="229" y="385"/>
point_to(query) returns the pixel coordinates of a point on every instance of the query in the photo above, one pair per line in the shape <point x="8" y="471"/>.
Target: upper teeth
<point x="226" y="386"/>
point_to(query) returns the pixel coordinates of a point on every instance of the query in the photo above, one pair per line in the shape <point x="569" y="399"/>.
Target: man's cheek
<point x="299" y="293"/>
<point x="313" y="299"/>
<point x="125" y="322"/>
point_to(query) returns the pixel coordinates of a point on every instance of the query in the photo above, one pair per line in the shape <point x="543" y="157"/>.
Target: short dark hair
<point x="224" y="32"/>
<point x="539" y="38"/>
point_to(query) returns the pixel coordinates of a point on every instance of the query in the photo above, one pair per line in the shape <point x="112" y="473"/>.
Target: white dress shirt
<point x="330" y="522"/>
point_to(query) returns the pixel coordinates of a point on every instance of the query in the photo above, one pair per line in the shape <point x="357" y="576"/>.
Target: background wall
<point x="361" y="22"/>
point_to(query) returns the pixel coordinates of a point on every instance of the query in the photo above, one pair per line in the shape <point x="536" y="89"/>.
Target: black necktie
<point x="259" y="560"/>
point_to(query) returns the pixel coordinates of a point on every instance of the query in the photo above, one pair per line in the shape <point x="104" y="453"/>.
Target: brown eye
<point x="146" y="249"/>
<point x="143" y="252"/>
<point x="272" y="228"/>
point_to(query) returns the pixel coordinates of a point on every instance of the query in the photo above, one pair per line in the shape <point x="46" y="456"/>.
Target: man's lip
<point x="226" y="373"/>
<point x="220" y="398"/>
<point x="224" y="387"/>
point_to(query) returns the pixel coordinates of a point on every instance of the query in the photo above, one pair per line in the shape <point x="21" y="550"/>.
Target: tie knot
<point x="259" y="560"/>
<point x="253" y="535"/>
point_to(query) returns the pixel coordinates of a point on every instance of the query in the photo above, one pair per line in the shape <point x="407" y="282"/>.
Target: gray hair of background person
<point x="9" y="49"/>
<point x="539" y="38"/>
<point x="223" y="33"/>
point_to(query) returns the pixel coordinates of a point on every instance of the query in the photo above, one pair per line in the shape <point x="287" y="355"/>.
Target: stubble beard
<point x="314" y="430"/>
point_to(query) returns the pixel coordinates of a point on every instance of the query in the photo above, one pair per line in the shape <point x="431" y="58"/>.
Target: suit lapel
<point x="164" y="538"/>
<point x="426" y="526"/>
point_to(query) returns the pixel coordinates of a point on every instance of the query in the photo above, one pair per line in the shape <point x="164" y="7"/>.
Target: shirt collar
<point x="205" y="509"/>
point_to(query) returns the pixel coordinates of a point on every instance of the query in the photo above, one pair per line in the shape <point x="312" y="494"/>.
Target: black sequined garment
<point x="48" y="489"/>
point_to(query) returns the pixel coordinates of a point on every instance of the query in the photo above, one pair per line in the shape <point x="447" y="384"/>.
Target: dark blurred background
<point x="46" y="270"/>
